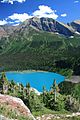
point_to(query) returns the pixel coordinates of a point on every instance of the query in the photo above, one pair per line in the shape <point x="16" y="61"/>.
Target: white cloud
<point x="45" y="11"/>
<point x="16" y="18"/>
<point x="3" y="22"/>
<point x="63" y="15"/>
<point x="19" y="17"/>
<point x="76" y="1"/>
<point x="12" y="1"/>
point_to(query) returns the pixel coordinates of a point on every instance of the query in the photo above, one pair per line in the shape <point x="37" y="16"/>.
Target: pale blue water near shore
<point x="36" y="79"/>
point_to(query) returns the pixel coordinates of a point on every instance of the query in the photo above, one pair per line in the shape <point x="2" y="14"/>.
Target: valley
<point x="41" y="44"/>
<point x="30" y="48"/>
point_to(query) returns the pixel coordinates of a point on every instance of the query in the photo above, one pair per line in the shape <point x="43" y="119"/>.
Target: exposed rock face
<point x="6" y="30"/>
<point x="35" y="91"/>
<point x="2" y="32"/>
<point x="49" y="25"/>
<point x="74" y="79"/>
<point x="16" y="104"/>
<point x="42" y="24"/>
<point x="76" y="25"/>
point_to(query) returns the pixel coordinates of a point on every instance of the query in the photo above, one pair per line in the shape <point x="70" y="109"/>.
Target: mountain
<point x="49" y="25"/>
<point x="43" y="24"/>
<point x="41" y="44"/>
<point x="76" y="25"/>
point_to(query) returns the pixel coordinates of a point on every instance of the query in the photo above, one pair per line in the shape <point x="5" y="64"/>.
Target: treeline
<point x="41" y="60"/>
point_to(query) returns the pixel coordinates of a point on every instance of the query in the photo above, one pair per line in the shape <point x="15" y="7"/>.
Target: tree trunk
<point x="55" y="95"/>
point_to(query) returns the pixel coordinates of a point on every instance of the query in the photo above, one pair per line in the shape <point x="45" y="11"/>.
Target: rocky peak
<point x="42" y="24"/>
<point x="76" y="25"/>
<point x="77" y="21"/>
<point x="47" y="24"/>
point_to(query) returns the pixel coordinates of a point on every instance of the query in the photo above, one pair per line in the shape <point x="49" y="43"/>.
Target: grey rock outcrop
<point x="76" y="25"/>
<point x="49" y="25"/>
<point x="16" y="104"/>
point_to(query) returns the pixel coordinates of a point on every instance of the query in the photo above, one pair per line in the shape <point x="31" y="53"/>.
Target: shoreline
<point x="26" y="71"/>
<point x="31" y="71"/>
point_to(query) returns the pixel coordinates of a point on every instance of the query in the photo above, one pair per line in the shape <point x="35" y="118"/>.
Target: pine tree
<point x="28" y="88"/>
<point x="55" y="89"/>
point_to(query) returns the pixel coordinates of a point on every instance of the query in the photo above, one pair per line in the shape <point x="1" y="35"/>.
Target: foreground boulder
<point x="13" y="104"/>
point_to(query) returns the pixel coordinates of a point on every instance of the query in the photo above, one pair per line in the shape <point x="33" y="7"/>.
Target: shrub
<point x="71" y="104"/>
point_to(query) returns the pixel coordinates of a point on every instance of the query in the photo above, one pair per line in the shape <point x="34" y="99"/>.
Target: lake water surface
<point x="36" y="79"/>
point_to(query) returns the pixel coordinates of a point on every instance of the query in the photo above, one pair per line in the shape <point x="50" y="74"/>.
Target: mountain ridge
<point x="43" y="24"/>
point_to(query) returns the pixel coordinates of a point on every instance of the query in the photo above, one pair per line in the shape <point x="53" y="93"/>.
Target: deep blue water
<point x="36" y="79"/>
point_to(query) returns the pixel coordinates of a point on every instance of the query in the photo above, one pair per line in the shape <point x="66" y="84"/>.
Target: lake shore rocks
<point x="35" y="91"/>
<point x="74" y="79"/>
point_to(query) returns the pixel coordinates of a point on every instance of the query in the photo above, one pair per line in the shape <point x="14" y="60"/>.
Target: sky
<point x="16" y="11"/>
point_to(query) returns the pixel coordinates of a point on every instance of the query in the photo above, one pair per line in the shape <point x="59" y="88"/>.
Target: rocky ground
<point x="74" y="79"/>
<point x="58" y="117"/>
<point x="15" y="105"/>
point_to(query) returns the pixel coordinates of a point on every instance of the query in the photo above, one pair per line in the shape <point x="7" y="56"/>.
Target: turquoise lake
<point x="36" y="79"/>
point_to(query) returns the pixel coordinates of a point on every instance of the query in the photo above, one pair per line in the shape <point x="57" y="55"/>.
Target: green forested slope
<point x="32" y="49"/>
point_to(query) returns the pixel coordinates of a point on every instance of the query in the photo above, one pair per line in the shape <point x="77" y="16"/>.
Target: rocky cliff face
<point x="16" y="105"/>
<point x="2" y="32"/>
<point x="49" y="25"/>
<point x="6" y="30"/>
<point x="76" y="25"/>
<point x="42" y="24"/>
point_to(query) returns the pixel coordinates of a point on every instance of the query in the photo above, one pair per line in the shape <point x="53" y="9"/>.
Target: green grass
<point x="48" y="111"/>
